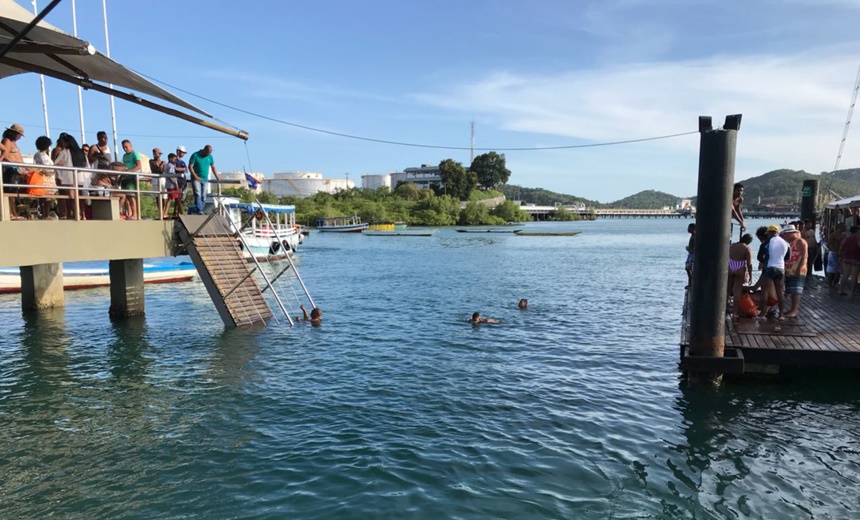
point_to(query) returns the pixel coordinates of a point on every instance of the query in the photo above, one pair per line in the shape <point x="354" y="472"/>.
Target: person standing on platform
<point x="199" y="165"/>
<point x="156" y="167"/>
<point x="850" y="253"/>
<point x="131" y="160"/>
<point x="99" y="155"/>
<point x="737" y="200"/>
<point x="834" y="260"/>
<point x="795" y="268"/>
<point x="181" y="169"/>
<point x="740" y="266"/>
<point x="774" y="271"/>
<point x="691" y="254"/>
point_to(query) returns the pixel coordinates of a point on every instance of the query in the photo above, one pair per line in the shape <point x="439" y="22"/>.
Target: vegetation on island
<point x="439" y="205"/>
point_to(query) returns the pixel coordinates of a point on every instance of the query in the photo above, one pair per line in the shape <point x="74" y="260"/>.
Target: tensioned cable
<point x="73" y="132"/>
<point x="415" y="145"/>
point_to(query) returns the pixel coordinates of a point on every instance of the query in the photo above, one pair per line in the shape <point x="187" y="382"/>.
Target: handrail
<point x="219" y="208"/>
<point x="289" y="258"/>
<point x="76" y="189"/>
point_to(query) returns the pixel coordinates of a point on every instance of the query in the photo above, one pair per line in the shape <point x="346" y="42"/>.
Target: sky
<point x="529" y="73"/>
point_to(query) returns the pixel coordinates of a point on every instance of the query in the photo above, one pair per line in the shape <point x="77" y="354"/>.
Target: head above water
<point x="523" y="304"/>
<point x="476" y="316"/>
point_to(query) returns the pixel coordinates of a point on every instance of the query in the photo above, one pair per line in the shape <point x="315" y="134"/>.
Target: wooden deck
<point x="826" y="334"/>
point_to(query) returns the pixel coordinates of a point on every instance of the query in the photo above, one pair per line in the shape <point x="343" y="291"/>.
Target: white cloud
<point x="794" y="106"/>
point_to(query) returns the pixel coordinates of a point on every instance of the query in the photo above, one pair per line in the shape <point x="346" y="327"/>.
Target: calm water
<point x="397" y="408"/>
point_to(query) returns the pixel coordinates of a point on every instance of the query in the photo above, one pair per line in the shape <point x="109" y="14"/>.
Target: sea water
<point x="396" y="407"/>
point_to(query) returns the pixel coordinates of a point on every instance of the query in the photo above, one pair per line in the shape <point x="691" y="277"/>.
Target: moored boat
<point x="400" y="233"/>
<point x="267" y="239"/>
<point x="351" y="224"/>
<point x="90" y="277"/>
<point x="547" y="233"/>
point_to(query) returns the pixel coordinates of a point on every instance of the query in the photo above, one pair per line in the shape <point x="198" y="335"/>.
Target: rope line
<point x="414" y="145"/>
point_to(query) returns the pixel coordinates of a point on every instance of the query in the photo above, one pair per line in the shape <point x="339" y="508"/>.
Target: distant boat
<point x="86" y="278"/>
<point x="546" y="233"/>
<point x="351" y="224"/>
<point x="400" y="233"/>
<point x="487" y="230"/>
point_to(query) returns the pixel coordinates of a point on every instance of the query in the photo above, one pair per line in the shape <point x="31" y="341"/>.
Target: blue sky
<point x="531" y="73"/>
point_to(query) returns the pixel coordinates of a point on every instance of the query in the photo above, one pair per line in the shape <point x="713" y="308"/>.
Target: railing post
<point x="713" y="230"/>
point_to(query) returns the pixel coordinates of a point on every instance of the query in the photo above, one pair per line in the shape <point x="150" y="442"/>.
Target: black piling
<point x="713" y="230"/>
<point x="809" y="200"/>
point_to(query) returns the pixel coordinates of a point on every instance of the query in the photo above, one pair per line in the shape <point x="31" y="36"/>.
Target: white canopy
<point x="52" y="52"/>
<point x="850" y="202"/>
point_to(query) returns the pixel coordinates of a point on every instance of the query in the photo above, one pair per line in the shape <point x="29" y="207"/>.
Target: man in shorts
<point x="795" y="268"/>
<point x="774" y="271"/>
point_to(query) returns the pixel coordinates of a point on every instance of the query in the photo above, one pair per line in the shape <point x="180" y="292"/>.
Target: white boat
<point x="265" y="241"/>
<point x="89" y="277"/>
<point x="351" y="224"/>
<point x="400" y="233"/>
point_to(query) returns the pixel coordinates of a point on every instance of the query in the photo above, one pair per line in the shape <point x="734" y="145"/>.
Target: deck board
<point x="827" y="332"/>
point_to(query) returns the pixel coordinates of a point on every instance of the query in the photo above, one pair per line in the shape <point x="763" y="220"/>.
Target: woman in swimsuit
<point x="740" y="269"/>
<point x="9" y="152"/>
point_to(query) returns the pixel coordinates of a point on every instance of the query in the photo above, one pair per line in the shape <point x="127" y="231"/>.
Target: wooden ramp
<point x="222" y="266"/>
<point x="826" y="334"/>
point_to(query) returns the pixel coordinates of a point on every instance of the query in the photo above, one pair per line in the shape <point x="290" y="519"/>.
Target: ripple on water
<point x="396" y="407"/>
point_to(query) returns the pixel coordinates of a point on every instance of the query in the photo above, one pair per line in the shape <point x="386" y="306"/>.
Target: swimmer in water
<point x="524" y="304"/>
<point x="476" y="318"/>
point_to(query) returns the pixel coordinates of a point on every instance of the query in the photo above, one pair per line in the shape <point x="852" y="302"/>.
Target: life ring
<point x="274" y="248"/>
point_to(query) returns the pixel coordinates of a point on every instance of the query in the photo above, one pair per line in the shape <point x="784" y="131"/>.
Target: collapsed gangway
<point x="217" y="248"/>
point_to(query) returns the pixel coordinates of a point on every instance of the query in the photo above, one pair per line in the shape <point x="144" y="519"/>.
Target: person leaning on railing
<point x="104" y="181"/>
<point x="9" y="152"/>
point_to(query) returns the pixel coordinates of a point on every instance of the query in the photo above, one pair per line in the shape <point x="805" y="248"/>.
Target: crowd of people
<point x="785" y="256"/>
<point x="48" y="192"/>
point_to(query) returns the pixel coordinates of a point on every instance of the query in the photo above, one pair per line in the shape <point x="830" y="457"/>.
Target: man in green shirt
<point x="199" y="164"/>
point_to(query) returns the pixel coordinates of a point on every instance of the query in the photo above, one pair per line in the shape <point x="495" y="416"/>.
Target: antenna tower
<point x="472" y="155"/>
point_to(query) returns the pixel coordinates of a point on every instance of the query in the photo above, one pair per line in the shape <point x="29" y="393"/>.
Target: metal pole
<point x="713" y="234"/>
<point x="112" y="108"/>
<point x="80" y="90"/>
<point x="289" y="258"/>
<point x="42" y="84"/>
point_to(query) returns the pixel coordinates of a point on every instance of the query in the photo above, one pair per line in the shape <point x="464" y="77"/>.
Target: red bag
<point x="747" y="307"/>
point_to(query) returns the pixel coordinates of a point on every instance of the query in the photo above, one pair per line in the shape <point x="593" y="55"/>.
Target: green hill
<point x="542" y="197"/>
<point x="648" y="199"/>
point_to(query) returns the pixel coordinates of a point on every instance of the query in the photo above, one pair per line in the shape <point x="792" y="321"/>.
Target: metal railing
<point x="79" y="192"/>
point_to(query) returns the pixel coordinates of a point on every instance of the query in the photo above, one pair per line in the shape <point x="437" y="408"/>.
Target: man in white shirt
<point x="774" y="271"/>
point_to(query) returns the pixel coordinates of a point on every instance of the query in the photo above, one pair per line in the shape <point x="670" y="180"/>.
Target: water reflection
<point x="130" y="354"/>
<point x="767" y="450"/>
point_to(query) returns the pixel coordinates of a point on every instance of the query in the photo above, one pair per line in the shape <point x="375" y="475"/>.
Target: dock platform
<point x="826" y="334"/>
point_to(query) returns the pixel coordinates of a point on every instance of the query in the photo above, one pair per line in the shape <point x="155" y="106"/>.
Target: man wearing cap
<point x="774" y="271"/>
<point x="181" y="169"/>
<point x="199" y="165"/>
<point x="795" y="267"/>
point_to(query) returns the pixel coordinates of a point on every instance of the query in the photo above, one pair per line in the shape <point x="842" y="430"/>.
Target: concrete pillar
<point x="126" y="288"/>
<point x="41" y="286"/>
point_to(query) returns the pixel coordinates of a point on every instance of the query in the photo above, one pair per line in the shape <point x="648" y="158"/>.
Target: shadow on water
<point x="766" y="449"/>
<point x="127" y="354"/>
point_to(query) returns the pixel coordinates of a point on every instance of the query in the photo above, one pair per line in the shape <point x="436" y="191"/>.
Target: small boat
<point x="547" y="233"/>
<point x="487" y="230"/>
<point x="351" y="224"/>
<point x="88" y="277"/>
<point x="400" y="233"/>
<point x="265" y="242"/>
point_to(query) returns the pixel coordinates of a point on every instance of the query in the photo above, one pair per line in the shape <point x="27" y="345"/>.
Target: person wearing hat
<point x="774" y="271"/>
<point x="11" y="153"/>
<point x="181" y="169"/>
<point x="795" y="267"/>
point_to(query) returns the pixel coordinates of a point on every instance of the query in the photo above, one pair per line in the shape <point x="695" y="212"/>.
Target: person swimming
<point x="315" y="317"/>
<point x="523" y="304"/>
<point x="476" y="318"/>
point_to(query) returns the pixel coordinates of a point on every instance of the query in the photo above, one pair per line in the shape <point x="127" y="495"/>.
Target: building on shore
<point x="376" y="181"/>
<point x="423" y="176"/>
<point x="304" y="184"/>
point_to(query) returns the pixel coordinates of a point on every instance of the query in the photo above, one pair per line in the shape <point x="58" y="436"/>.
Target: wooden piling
<point x="713" y="229"/>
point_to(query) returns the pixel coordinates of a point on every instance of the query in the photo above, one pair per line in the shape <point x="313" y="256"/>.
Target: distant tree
<point x="490" y="169"/>
<point x="474" y="214"/>
<point x="407" y="190"/>
<point x="458" y="182"/>
<point x="563" y="214"/>
<point x="509" y="211"/>
<point x="436" y="211"/>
